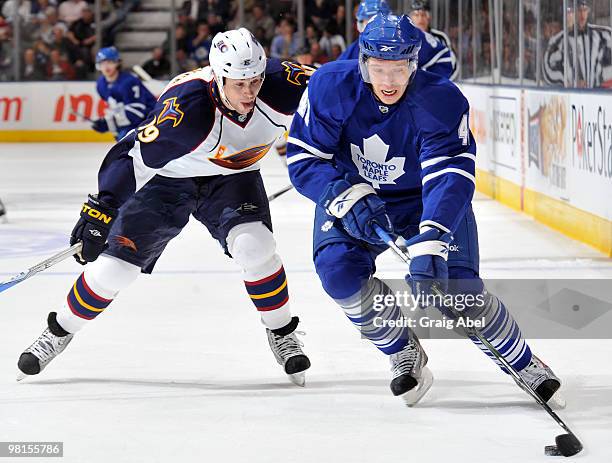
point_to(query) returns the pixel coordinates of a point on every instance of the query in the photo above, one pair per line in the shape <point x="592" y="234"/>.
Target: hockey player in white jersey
<point x="196" y="154"/>
<point x="378" y="142"/>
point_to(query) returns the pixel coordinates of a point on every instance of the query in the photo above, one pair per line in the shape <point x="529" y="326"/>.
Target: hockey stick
<point x="566" y="444"/>
<point x="82" y="116"/>
<point x="45" y="264"/>
<point x="280" y="192"/>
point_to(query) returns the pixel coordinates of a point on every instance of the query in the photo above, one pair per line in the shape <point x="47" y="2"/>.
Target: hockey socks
<point x="502" y="331"/>
<point x="270" y="295"/>
<point x="374" y="324"/>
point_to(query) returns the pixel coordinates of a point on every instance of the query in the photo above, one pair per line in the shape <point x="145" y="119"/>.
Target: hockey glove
<point x="100" y="125"/>
<point x="92" y="229"/>
<point x="428" y="253"/>
<point x="358" y="207"/>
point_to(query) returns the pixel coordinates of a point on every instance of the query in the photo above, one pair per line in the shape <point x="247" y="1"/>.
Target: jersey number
<point x="136" y="90"/>
<point x="464" y="132"/>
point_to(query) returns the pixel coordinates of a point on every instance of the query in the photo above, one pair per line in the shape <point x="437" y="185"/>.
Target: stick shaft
<point x="45" y="264"/>
<point x="280" y="192"/>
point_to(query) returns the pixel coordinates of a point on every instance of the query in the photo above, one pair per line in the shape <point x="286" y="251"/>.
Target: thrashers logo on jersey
<point x="171" y="112"/>
<point x="373" y="165"/>
<point x="298" y="74"/>
<point x="241" y="159"/>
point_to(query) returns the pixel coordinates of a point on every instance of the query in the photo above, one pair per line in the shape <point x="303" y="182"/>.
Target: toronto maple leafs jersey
<point x="191" y="133"/>
<point x="129" y="102"/>
<point x="434" y="55"/>
<point x="421" y="145"/>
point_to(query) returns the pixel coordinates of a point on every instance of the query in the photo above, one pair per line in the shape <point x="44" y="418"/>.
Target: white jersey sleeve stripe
<point x="300" y="157"/>
<point x="449" y="170"/>
<point x="434" y="161"/>
<point x="312" y="149"/>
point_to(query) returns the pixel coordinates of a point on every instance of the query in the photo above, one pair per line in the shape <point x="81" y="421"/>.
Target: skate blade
<point x="412" y="397"/>
<point x="557" y="401"/>
<point x="299" y="379"/>
<point x="21" y="375"/>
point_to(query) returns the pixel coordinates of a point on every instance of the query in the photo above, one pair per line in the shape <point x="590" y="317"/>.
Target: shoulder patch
<point x="297" y="74"/>
<point x="171" y="112"/>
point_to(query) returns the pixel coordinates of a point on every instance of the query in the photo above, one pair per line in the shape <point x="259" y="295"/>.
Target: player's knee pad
<point x="343" y="268"/>
<point x="108" y="275"/>
<point x="253" y="247"/>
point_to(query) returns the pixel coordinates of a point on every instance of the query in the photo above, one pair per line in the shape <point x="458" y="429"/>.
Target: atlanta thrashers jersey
<point x="190" y="133"/>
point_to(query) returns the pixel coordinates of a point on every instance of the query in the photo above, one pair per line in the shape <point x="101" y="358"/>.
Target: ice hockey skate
<point x="411" y="377"/>
<point x="287" y="350"/>
<point x="49" y="345"/>
<point x="543" y="381"/>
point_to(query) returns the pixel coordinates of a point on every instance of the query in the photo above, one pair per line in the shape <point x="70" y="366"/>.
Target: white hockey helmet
<point x="236" y="54"/>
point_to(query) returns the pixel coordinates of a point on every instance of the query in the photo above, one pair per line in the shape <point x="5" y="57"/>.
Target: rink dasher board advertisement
<point x="53" y="111"/>
<point x="560" y="170"/>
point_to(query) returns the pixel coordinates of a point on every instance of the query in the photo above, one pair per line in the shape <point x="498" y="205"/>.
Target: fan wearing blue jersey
<point x="376" y="141"/>
<point x="129" y="101"/>
<point x="434" y="55"/>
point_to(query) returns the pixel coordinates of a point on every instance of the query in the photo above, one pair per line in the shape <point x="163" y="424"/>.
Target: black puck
<point x="568" y="444"/>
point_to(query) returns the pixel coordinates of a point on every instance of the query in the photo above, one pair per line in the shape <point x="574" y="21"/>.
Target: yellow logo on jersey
<point x="295" y="71"/>
<point x="171" y="112"/>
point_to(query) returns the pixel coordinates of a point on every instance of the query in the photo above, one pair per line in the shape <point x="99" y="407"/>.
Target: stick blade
<point x="13" y="281"/>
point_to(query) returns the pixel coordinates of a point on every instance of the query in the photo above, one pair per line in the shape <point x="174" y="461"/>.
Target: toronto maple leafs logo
<point x="373" y="164"/>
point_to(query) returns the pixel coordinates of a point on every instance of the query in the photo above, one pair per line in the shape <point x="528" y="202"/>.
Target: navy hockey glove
<point x="92" y="229"/>
<point x="428" y="253"/>
<point x="100" y="125"/>
<point x="358" y="207"/>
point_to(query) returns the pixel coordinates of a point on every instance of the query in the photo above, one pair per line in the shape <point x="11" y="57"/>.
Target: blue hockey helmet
<point x="107" y="54"/>
<point x="369" y="8"/>
<point x="389" y="37"/>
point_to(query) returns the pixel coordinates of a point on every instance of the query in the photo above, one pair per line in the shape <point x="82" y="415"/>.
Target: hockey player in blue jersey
<point x="376" y="141"/>
<point x="129" y="101"/>
<point x="196" y="155"/>
<point x="434" y="55"/>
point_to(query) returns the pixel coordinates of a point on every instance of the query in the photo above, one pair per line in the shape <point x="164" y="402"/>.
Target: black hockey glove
<point x="92" y="229"/>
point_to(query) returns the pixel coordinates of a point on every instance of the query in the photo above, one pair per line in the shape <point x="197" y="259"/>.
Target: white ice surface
<point x="178" y="369"/>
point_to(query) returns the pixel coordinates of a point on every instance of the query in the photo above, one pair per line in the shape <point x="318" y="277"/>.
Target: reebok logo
<point x="387" y="47"/>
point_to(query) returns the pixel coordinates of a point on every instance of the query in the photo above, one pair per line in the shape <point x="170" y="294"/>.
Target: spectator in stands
<point x="50" y="22"/>
<point x="59" y="68"/>
<point x="286" y="43"/>
<point x="31" y="70"/>
<point x="312" y="34"/>
<point x="215" y="23"/>
<point x="64" y="45"/>
<point x="158" y="66"/>
<point x="319" y="11"/>
<point x="184" y="63"/>
<point x="259" y="18"/>
<point x="9" y="10"/>
<point x="82" y="34"/>
<point x="182" y="42"/>
<point x="330" y="38"/>
<point x="317" y="54"/>
<point x="592" y="45"/>
<point x="72" y="10"/>
<point x="200" y="45"/>
<point x="6" y="52"/>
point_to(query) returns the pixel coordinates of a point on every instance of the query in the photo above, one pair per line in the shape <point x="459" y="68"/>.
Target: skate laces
<point x="288" y="346"/>
<point x="536" y="372"/>
<point x="47" y="344"/>
<point x="404" y="361"/>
